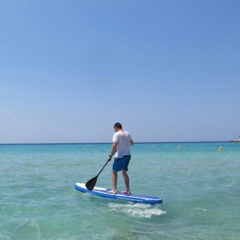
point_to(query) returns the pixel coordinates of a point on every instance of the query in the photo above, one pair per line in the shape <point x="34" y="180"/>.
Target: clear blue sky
<point x="167" y="70"/>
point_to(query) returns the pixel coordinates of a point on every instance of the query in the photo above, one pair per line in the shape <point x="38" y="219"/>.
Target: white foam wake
<point x="137" y="210"/>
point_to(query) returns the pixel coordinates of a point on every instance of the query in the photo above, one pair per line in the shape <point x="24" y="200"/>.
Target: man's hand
<point x="109" y="158"/>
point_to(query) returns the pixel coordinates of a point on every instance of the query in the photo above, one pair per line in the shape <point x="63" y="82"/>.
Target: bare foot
<point x="112" y="191"/>
<point x="126" y="192"/>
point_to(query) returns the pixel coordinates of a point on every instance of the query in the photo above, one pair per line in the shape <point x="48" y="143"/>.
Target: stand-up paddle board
<point x="103" y="192"/>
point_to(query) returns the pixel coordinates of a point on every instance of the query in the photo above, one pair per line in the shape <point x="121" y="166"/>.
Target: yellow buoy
<point x="220" y="148"/>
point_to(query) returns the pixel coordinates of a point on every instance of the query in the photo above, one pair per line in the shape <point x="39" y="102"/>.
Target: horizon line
<point x="76" y="143"/>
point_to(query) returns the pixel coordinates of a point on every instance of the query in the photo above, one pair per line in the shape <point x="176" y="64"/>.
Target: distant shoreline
<point x="235" y="140"/>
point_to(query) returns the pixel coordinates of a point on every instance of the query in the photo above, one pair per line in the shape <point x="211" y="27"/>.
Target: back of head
<point x="118" y="125"/>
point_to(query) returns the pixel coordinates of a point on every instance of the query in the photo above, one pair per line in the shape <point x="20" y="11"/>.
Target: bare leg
<point x="127" y="181"/>
<point x="114" y="182"/>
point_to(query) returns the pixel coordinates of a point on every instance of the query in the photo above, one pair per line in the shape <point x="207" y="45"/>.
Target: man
<point x="121" y="145"/>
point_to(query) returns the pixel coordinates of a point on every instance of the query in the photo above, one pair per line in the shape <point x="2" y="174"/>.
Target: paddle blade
<point x="91" y="183"/>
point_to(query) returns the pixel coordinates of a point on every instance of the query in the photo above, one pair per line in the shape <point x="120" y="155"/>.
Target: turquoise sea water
<point x="199" y="185"/>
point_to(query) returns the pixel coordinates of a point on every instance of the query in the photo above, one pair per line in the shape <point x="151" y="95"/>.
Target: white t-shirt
<point x="122" y="138"/>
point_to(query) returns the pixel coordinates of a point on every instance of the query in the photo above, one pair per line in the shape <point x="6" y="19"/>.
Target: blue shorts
<point x="121" y="163"/>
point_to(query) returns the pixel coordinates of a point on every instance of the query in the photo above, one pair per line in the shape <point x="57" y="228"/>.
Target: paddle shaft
<point x="91" y="183"/>
<point x="102" y="168"/>
<point x="105" y="164"/>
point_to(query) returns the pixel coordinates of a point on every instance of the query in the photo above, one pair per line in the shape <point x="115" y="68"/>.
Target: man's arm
<point x="113" y="150"/>
<point x="131" y="142"/>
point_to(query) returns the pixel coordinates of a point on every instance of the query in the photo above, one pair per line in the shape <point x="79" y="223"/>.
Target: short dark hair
<point x="118" y="125"/>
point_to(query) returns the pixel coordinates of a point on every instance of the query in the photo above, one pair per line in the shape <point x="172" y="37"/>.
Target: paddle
<point x="91" y="183"/>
